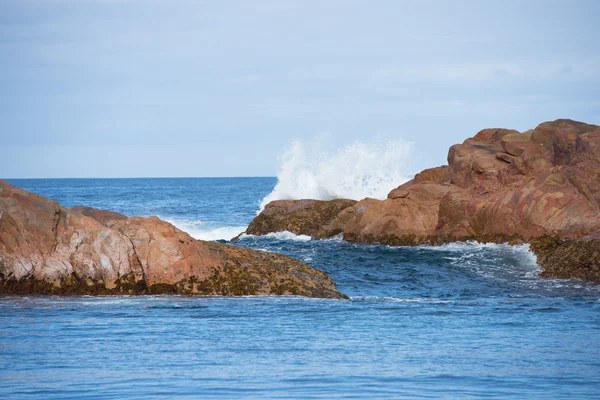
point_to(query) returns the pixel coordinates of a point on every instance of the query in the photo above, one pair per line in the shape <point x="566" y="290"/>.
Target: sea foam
<point x="282" y="235"/>
<point x="203" y="231"/>
<point x="355" y="171"/>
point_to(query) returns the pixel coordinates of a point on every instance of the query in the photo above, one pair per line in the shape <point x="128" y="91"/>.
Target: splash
<point x="282" y="235"/>
<point x="205" y="231"/>
<point x="356" y="171"/>
<point x="521" y="252"/>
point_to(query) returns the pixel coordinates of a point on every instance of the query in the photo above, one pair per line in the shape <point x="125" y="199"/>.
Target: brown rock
<point x="555" y="143"/>
<point x="515" y="143"/>
<point x="475" y="165"/>
<point x="410" y="210"/>
<point x="548" y="205"/>
<point x="561" y="259"/>
<point x="102" y="216"/>
<point x="492" y="134"/>
<point x="49" y="249"/>
<point x="437" y="175"/>
<point x="500" y="185"/>
<point x="301" y="217"/>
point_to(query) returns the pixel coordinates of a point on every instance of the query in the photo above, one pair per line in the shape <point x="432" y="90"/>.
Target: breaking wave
<point x="282" y="235"/>
<point x="473" y="246"/>
<point x="205" y="231"/>
<point x="356" y="171"/>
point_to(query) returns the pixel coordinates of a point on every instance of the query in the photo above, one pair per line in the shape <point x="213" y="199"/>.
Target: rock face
<point x="102" y="216"/>
<point x="500" y="185"/>
<point x="579" y="258"/>
<point x="301" y="217"/>
<point x="49" y="249"/>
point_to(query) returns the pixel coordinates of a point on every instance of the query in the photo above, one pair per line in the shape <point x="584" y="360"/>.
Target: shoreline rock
<point x="49" y="249"/>
<point x="498" y="186"/>
<point x="564" y="259"/>
<point x="300" y="217"/>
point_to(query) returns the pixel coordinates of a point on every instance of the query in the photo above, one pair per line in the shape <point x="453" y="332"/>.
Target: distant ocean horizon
<point x="184" y="202"/>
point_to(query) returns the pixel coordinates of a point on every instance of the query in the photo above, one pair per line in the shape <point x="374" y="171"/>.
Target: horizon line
<point x="146" y="177"/>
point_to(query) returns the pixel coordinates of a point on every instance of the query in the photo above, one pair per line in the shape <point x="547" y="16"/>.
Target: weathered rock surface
<point x="500" y="185"/>
<point x="102" y="216"/>
<point x="578" y="258"/>
<point x="301" y="217"/>
<point x="49" y="249"/>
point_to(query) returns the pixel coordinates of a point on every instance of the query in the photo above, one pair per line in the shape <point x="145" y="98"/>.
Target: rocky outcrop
<point x="301" y="217"/>
<point x="102" y="216"/>
<point x="49" y="249"/>
<point x="563" y="259"/>
<point x="408" y="217"/>
<point x="500" y="185"/>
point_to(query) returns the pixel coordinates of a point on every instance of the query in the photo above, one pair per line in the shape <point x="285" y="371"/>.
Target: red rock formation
<point x="551" y="188"/>
<point x="499" y="185"/>
<point x="564" y="259"/>
<point x="102" y="216"/>
<point x="46" y="248"/>
<point x="301" y="217"/>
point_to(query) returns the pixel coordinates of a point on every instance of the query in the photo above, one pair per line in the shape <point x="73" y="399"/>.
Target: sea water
<point x="456" y="321"/>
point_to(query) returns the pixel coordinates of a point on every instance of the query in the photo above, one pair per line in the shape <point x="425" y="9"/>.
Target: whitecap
<point x="201" y="230"/>
<point x="470" y="248"/>
<point x="390" y="299"/>
<point x="356" y="171"/>
<point x="282" y="235"/>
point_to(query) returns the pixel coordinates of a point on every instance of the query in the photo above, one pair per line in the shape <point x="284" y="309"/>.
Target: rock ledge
<point x="49" y="249"/>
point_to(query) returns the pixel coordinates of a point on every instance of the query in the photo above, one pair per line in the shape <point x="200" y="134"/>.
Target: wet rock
<point x="500" y="185"/>
<point x="564" y="259"/>
<point x="49" y="249"/>
<point x="301" y="217"/>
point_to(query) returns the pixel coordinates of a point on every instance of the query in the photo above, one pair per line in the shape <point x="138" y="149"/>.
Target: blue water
<point x="457" y="321"/>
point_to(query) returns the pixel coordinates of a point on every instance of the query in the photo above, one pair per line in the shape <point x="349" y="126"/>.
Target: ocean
<point x="457" y="321"/>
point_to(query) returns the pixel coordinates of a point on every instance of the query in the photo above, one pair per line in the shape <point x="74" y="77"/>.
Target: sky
<point x="124" y="88"/>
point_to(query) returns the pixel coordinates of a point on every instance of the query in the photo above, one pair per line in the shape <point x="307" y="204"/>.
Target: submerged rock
<point x="49" y="249"/>
<point x="500" y="185"/>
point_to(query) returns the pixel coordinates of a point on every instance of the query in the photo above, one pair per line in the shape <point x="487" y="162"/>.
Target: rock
<point x="49" y="249"/>
<point x="475" y="165"/>
<point x="408" y="216"/>
<point x="515" y="143"/>
<point x="500" y="185"/>
<point x="550" y="195"/>
<point x="492" y="135"/>
<point x="437" y="175"/>
<point x="102" y="216"/>
<point x="579" y="258"/>
<point x="301" y="217"/>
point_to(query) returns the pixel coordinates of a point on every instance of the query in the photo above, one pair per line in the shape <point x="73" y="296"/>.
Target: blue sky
<point x="124" y="88"/>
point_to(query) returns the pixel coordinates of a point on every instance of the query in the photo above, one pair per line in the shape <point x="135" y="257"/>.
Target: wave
<point x="470" y="248"/>
<point x="356" y="171"/>
<point x="391" y="299"/>
<point x="475" y="246"/>
<point x="203" y="231"/>
<point x="283" y="235"/>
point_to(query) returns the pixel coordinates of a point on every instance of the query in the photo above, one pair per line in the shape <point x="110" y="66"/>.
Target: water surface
<point x="456" y="321"/>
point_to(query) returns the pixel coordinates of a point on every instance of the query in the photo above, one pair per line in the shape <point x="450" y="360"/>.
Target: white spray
<point x="356" y="171"/>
